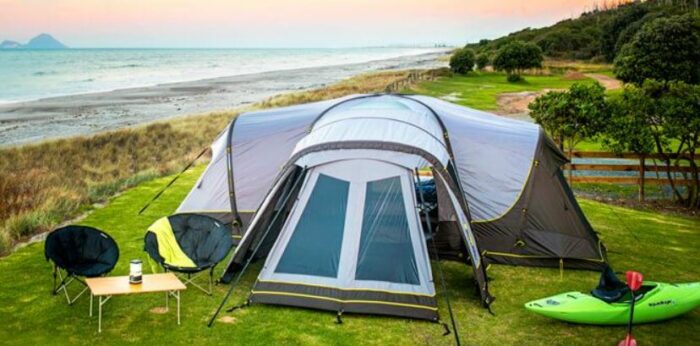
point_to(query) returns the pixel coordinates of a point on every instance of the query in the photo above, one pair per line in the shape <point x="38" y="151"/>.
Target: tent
<point x="325" y="192"/>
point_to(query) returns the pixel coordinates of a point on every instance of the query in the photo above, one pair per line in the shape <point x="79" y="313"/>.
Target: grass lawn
<point x="664" y="248"/>
<point x="480" y="89"/>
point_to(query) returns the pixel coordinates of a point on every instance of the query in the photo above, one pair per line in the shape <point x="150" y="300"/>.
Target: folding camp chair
<point x="79" y="251"/>
<point x="202" y="239"/>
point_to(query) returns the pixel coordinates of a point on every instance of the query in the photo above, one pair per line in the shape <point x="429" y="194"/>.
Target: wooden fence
<point x="607" y="167"/>
<point x="413" y="77"/>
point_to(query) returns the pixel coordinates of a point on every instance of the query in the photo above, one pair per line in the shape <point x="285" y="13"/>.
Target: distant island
<point x="42" y="41"/>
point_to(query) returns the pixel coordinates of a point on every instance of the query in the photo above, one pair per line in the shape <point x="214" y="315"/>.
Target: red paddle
<point x="634" y="282"/>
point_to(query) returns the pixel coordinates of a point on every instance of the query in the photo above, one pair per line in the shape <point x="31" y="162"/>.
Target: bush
<point x="573" y="115"/>
<point x="462" y="61"/>
<point x="482" y="61"/>
<point x="664" y="49"/>
<point x="516" y="57"/>
<point x="512" y="78"/>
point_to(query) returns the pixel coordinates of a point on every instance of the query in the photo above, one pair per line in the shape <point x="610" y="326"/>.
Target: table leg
<point x="102" y="300"/>
<point x="91" y="296"/>
<point x="178" y="306"/>
<point x="167" y="299"/>
<point x="99" y="316"/>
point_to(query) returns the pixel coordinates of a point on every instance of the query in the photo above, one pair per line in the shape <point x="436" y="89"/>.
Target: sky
<point x="276" y="23"/>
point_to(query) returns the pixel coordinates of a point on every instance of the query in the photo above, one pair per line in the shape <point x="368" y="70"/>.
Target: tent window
<point x="314" y="248"/>
<point x="386" y="251"/>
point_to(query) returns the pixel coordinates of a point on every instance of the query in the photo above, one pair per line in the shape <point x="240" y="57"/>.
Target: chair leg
<point x="64" y="286"/>
<point x="189" y="279"/>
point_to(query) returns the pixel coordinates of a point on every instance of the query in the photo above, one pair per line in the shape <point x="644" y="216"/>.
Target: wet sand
<point x="65" y="116"/>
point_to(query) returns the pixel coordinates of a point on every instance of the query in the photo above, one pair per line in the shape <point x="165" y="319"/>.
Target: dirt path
<point x="608" y="82"/>
<point x="514" y="105"/>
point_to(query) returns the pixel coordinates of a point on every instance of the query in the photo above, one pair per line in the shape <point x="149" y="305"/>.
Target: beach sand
<point x="65" y="116"/>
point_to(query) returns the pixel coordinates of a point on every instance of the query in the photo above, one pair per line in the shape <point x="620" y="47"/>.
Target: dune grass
<point x="662" y="247"/>
<point x="44" y="184"/>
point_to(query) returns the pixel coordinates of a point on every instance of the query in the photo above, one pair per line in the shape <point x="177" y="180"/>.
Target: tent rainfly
<point x="325" y="193"/>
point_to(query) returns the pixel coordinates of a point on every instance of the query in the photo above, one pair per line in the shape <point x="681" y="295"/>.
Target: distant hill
<point x="7" y="44"/>
<point x="43" y="41"/>
<point x="595" y="35"/>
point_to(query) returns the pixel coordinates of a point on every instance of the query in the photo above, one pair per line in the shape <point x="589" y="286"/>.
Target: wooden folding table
<point x="106" y="287"/>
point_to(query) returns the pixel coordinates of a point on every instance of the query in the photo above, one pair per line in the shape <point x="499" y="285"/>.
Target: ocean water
<point x="34" y="74"/>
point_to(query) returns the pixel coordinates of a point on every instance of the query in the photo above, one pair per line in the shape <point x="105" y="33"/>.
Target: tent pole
<point x="437" y="258"/>
<point x="173" y="181"/>
<point x="257" y="247"/>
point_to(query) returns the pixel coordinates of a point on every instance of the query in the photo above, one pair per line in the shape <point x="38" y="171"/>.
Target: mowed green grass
<point x="480" y="90"/>
<point x="664" y="248"/>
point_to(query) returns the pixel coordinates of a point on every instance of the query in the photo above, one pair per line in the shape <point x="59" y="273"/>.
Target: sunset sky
<point x="276" y="23"/>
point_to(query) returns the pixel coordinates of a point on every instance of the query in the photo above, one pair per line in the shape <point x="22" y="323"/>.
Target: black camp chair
<point x="79" y="251"/>
<point x="205" y="240"/>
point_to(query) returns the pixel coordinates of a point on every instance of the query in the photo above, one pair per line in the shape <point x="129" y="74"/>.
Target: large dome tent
<point x="324" y="192"/>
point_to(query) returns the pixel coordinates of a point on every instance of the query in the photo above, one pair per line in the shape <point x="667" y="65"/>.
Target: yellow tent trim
<point x="344" y="301"/>
<point x="504" y="254"/>
<point x="348" y="289"/>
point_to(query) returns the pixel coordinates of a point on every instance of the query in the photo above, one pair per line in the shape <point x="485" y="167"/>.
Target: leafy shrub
<point x="573" y="115"/>
<point x="516" y="57"/>
<point x="482" y="60"/>
<point x="512" y="78"/>
<point x="665" y="49"/>
<point x="462" y="61"/>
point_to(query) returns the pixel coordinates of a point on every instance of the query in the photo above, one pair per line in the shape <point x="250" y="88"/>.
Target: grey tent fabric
<point x="503" y="194"/>
<point x="270" y="134"/>
<point x="543" y="231"/>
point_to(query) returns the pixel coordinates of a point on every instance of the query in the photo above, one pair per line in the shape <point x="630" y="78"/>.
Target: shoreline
<point x="36" y="121"/>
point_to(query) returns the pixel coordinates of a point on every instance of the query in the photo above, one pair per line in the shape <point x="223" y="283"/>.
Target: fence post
<point x="642" y="173"/>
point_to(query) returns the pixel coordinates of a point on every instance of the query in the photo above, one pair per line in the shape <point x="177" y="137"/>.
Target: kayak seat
<point x="610" y="289"/>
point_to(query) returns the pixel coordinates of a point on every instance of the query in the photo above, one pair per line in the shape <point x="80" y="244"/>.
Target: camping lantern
<point x="135" y="271"/>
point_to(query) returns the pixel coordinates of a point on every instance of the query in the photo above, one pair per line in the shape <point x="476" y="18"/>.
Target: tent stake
<point x="437" y="258"/>
<point x="257" y="247"/>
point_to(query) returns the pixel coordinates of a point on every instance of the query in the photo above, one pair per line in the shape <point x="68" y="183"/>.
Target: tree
<point x="662" y="117"/>
<point x="627" y="130"/>
<point x="516" y="57"/>
<point x="664" y="49"/>
<point x="462" y="61"/>
<point x="551" y="111"/>
<point x="612" y="29"/>
<point x="571" y="116"/>
<point x="482" y="60"/>
<point x="679" y="123"/>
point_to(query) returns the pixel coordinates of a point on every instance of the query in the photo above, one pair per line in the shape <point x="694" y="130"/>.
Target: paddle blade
<point x="634" y="280"/>
<point x="628" y="341"/>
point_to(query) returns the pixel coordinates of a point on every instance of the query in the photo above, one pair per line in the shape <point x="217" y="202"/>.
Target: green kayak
<point x="656" y="301"/>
